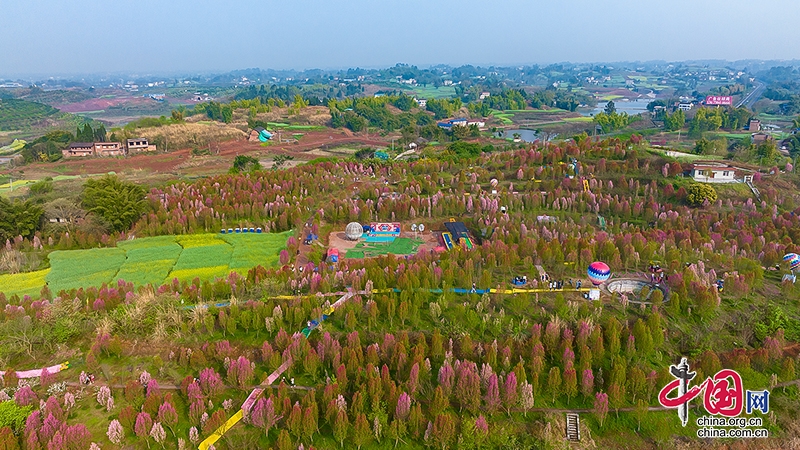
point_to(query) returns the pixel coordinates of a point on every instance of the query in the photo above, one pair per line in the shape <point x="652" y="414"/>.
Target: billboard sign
<point x="719" y="100"/>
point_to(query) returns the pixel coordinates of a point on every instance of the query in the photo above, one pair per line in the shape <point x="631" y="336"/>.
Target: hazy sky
<point x="81" y="36"/>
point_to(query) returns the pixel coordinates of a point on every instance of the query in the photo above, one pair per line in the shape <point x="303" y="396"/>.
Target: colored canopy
<point x="264" y="136"/>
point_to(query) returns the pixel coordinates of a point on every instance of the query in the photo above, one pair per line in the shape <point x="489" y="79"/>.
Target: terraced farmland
<point x="154" y="260"/>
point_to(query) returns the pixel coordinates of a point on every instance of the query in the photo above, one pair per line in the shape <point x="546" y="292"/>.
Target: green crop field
<point x="400" y="246"/>
<point x="427" y="91"/>
<point x="23" y="283"/>
<point x="286" y="126"/>
<point x="153" y="260"/>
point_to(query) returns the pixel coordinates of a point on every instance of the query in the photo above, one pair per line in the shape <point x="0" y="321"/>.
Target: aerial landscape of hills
<point x="455" y="256"/>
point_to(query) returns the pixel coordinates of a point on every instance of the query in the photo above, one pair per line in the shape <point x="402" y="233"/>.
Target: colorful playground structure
<point x="456" y="234"/>
<point x="333" y="255"/>
<point x="381" y="232"/>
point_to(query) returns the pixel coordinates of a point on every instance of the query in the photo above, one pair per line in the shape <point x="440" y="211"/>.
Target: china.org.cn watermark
<point x="730" y="427"/>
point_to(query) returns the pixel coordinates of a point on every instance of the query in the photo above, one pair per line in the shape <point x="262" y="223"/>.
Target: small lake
<point x="633" y="107"/>
<point x="524" y="135"/>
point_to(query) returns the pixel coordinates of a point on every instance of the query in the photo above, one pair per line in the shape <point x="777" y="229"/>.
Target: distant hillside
<point x="19" y="114"/>
<point x="53" y="98"/>
<point x="31" y="118"/>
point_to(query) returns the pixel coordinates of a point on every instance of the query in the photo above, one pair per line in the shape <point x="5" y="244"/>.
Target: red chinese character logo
<point x="723" y="394"/>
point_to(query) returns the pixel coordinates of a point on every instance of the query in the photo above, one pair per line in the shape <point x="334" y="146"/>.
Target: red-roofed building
<point x="713" y="173"/>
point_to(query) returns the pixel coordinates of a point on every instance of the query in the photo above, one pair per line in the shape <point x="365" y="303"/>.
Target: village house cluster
<point x="129" y="147"/>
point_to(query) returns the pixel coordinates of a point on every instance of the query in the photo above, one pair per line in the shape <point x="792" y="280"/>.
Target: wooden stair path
<point x="573" y="428"/>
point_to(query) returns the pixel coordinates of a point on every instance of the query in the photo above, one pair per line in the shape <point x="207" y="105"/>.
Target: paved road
<point x="753" y="96"/>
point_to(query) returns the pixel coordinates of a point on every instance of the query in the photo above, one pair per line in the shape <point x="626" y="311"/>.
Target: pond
<point x="524" y="135"/>
<point x="633" y="107"/>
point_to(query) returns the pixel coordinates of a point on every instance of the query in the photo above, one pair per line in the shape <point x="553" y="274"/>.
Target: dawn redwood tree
<point x="115" y="432"/>
<point x="641" y="411"/>
<point x="415" y="420"/>
<point x="144" y="423"/>
<point x="284" y="441"/>
<point x="570" y="381"/>
<point x="526" y="397"/>
<point x="616" y="396"/>
<point x="341" y="427"/>
<point x="601" y="407"/>
<point x="587" y="383"/>
<point x="468" y="387"/>
<point x="158" y="434"/>
<point x="510" y="394"/>
<point x="481" y="429"/>
<point x="413" y="379"/>
<point x="263" y="414"/>
<point x="168" y="416"/>
<point x="439" y="403"/>
<point x="444" y="430"/>
<point x="554" y="382"/>
<point x="211" y="382"/>
<point x="362" y="434"/>
<point x="446" y="378"/>
<point x="492" y="397"/>
<point x="295" y="420"/>
<point x="309" y="422"/>
<point x="403" y="408"/>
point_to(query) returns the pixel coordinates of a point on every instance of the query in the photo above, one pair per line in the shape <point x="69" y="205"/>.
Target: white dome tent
<point x="353" y="231"/>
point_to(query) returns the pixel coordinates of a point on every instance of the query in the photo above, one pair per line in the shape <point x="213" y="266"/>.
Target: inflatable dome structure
<point x="353" y="231"/>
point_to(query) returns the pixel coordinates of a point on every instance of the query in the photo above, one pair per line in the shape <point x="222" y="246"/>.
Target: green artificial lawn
<point x="400" y="246"/>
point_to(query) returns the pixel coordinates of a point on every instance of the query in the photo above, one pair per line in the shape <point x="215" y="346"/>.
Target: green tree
<point x="717" y="147"/>
<point x="706" y="119"/>
<point x="117" y="202"/>
<point x="554" y="382"/>
<point x="362" y="434"/>
<point x="41" y="187"/>
<point x="341" y="427"/>
<point x="611" y="122"/>
<point x="243" y="163"/>
<point x="610" y="108"/>
<point x="13" y="416"/>
<point x="674" y="121"/>
<point x="19" y="218"/>
<point x="641" y="412"/>
<point x="698" y="193"/>
<point x="100" y="133"/>
<point x="85" y="133"/>
<point x="767" y="153"/>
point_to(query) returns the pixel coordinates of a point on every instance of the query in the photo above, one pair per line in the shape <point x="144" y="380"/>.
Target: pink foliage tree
<point x="25" y="396"/>
<point x="240" y="372"/>
<point x="446" y="377"/>
<point x="492" y="397"/>
<point x="211" y="382"/>
<point x="587" y="383"/>
<point x="510" y="394"/>
<point x="263" y="414"/>
<point x="115" y="432"/>
<point x="168" y="416"/>
<point x="403" y="406"/>
<point x="144" y="423"/>
<point x="601" y="407"/>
